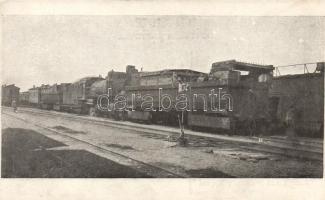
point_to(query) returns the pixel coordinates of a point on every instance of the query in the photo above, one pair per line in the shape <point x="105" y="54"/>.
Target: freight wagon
<point x="8" y="94"/>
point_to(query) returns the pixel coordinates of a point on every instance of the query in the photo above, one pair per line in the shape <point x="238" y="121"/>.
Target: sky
<point x="48" y="49"/>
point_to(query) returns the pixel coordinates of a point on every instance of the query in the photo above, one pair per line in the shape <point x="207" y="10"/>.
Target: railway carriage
<point x="75" y="96"/>
<point x="154" y="97"/>
<point x="112" y="85"/>
<point x="52" y="96"/>
<point x="23" y="98"/>
<point x="9" y="93"/>
<point x="34" y="97"/>
<point x="130" y="83"/>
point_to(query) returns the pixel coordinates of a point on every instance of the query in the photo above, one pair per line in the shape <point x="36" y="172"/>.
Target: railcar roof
<point x="238" y="65"/>
<point x="292" y="76"/>
<point x="35" y="88"/>
<point x="88" y="78"/>
<point x="168" y="71"/>
<point x="11" y="85"/>
<point x="115" y="72"/>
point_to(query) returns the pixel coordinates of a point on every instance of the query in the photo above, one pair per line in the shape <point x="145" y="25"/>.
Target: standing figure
<point x="14" y="105"/>
<point x="290" y="121"/>
<point x="251" y="118"/>
<point x="182" y="141"/>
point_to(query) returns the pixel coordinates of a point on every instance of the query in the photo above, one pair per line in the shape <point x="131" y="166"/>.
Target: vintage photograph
<point x="162" y="96"/>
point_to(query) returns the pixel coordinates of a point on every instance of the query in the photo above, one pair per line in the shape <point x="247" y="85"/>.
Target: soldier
<point x="182" y="141"/>
<point x="251" y="121"/>
<point x="290" y="121"/>
<point x="14" y="105"/>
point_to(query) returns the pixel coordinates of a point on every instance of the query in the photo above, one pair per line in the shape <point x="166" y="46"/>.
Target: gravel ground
<point x="223" y="159"/>
<point x="25" y="154"/>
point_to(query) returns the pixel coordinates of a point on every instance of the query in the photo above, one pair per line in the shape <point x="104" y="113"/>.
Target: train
<point x="234" y="97"/>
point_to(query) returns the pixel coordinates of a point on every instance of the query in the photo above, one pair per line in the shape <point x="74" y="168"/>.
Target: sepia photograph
<point x="162" y="96"/>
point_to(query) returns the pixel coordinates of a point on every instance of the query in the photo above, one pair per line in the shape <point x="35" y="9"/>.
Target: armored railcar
<point x="303" y="95"/>
<point x="234" y="98"/>
<point x="52" y="96"/>
<point x="75" y="95"/>
<point x="34" y="97"/>
<point x="23" y="98"/>
<point x="153" y="95"/>
<point x="9" y="93"/>
<point x="111" y="86"/>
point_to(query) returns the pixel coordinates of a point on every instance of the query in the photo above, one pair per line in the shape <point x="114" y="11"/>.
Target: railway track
<point x="146" y="168"/>
<point x="309" y="149"/>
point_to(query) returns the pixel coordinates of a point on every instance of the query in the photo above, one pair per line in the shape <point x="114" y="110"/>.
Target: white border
<point x="188" y="189"/>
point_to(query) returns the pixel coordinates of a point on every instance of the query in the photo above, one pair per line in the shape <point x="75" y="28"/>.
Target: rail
<point x="292" y="148"/>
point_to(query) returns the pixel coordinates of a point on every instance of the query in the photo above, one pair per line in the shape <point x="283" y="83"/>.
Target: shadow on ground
<point x="196" y="173"/>
<point x="208" y="173"/>
<point x="25" y="155"/>
<point x="68" y="130"/>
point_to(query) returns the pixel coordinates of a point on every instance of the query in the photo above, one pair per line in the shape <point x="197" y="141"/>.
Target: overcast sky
<point x="55" y="49"/>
